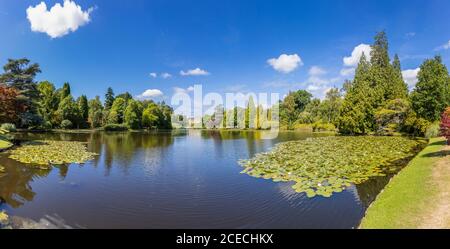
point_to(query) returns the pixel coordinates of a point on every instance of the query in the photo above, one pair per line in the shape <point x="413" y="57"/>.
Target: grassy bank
<point x="410" y="194"/>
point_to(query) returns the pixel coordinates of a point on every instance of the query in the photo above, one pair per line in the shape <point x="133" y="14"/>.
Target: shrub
<point x="47" y="125"/>
<point x="433" y="130"/>
<point x="321" y="126"/>
<point x="445" y="124"/>
<point x="115" y="127"/>
<point x="8" y="127"/>
<point x="415" y="125"/>
<point x="66" y="124"/>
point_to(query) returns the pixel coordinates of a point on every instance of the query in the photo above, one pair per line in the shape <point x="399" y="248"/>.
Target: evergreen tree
<point x="431" y="95"/>
<point x="109" y="98"/>
<point x="83" y="107"/>
<point x="356" y="113"/>
<point x="19" y="74"/>
<point x="65" y="91"/>
<point x="235" y="117"/>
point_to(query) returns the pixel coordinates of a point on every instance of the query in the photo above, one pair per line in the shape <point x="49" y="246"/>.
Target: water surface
<point x="175" y="179"/>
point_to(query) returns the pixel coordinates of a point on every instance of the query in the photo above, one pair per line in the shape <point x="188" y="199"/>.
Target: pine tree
<point x="431" y="94"/>
<point x="84" y="111"/>
<point x="109" y="98"/>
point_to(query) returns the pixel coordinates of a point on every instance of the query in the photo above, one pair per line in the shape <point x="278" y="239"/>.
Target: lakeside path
<point x="418" y="196"/>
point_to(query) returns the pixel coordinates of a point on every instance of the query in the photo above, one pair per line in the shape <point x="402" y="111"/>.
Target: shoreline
<point x="407" y="196"/>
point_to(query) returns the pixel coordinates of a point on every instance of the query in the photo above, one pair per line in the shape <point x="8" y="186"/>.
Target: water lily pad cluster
<point x="3" y="217"/>
<point x="47" y="153"/>
<point x="327" y="165"/>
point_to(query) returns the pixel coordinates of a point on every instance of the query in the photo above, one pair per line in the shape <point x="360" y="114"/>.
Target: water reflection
<point x="173" y="179"/>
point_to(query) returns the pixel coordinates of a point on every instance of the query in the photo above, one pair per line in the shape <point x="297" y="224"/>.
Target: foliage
<point x="321" y="126"/>
<point x="66" y="124"/>
<point x="115" y="127"/>
<point x="433" y="130"/>
<point x="83" y="109"/>
<point x="133" y="114"/>
<point x="391" y="116"/>
<point x="415" y="125"/>
<point x="11" y="107"/>
<point x="95" y="117"/>
<point x="321" y="166"/>
<point x="376" y="83"/>
<point x="151" y="116"/>
<point x="65" y="91"/>
<point x="48" y="102"/>
<point x="116" y="114"/>
<point x="19" y="74"/>
<point x="68" y="109"/>
<point x="47" y="153"/>
<point x="293" y="104"/>
<point x="109" y="98"/>
<point x="126" y="96"/>
<point x="432" y="92"/>
<point x="8" y="127"/>
<point x="445" y="124"/>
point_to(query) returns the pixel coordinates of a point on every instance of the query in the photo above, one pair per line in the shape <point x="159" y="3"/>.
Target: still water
<point x="174" y="179"/>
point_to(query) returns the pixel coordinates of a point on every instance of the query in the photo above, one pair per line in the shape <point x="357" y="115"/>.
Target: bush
<point x="415" y="125"/>
<point x="321" y="126"/>
<point x="66" y="124"/>
<point x="433" y="130"/>
<point x="115" y="127"/>
<point x="47" y="125"/>
<point x="8" y="127"/>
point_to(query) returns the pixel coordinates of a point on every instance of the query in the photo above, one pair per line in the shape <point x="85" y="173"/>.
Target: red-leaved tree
<point x="445" y="124"/>
<point x="10" y="107"/>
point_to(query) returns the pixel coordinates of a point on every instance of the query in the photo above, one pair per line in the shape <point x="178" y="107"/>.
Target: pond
<point x="173" y="179"/>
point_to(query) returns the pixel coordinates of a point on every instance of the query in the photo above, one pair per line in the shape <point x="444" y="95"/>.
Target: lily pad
<point x="3" y="217"/>
<point x="43" y="154"/>
<point x="327" y="165"/>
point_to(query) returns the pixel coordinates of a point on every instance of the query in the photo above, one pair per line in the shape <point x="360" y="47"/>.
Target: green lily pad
<point x="44" y="154"/>
<point x="327" y="165"/>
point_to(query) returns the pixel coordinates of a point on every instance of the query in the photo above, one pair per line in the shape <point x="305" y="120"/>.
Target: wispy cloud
<point x="194" y="72"/>
<point x="443" y="47"/>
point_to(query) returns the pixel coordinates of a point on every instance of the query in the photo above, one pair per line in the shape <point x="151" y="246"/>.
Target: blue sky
<point x="122" y="42"/>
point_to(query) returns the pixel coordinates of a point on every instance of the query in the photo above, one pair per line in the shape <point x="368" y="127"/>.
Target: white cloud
<point x="353" y="60"/>
<point x="285" y="63"/>
<point x="194" y="72"/>
<point x="166" y="75"/>
<point x="153" y="75"/>
<point x="319" y="86"/>
<point x="59" y="20"/>
<point x="316" y="71"/>
<point x="410" y="77"/>
<point x="410" y="34"/>
<point x="150" y="93"/>
<point x="183" y="90"/>
<point x="347" y="71"/>
<point x="444" y="47"/>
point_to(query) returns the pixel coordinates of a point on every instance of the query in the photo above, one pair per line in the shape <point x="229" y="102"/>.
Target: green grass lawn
<point x="408" y="195"/>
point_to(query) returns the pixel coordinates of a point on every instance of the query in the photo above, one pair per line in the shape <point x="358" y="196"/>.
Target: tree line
<point x="377" y="100"/>
<point x="32" y="105"/>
